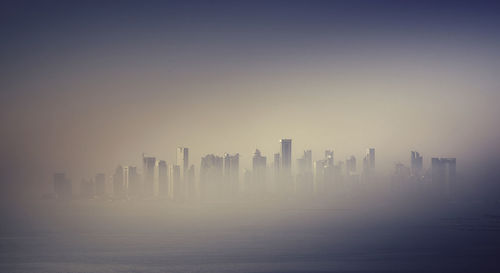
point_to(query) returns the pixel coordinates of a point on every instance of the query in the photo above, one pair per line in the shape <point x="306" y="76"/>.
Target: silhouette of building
<point x="134" y="187"/>
<point x="416" y="164"/>
<point x="162" y="178"/>
<point x="286" y="157"/>
<point x="118" y="183"/>
<point x="100" y="185"/>
<point x="369" y="163"/>
<point x="304" y="179"/>
<point x="183" y="160"/>
<point x="329" y="158"/>
<point x="259" y="168"/>
<point x="62" y="186"/>
<point x="210" y="176"/>
<point x="401" y="177"/>
<point x="175" y="185"/>
<point x="148" y="173"/>
<point x="174" y="177"/>
<point x="350" y="165"/>
<point x="192" y="189"/>
<point x="277" y="165"/>
<point x="444" y="175"/>
<point x="231" y="172"/>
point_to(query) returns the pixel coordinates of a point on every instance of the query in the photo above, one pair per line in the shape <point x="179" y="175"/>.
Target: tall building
<point x="62" y="186"/>
<point x="286" y="157"/>
<point x="148" y="173"/>
<point x="191" y="189"/>
<point x="306" y="162"/>
<point x="350" y="165"/>
<point x="304" y="179"/>
<point x="134" y="187"/>
<point x="100" y="185"/>
<point x="416" y="164"/>
<point x="118" y="183"/>
<point x="162" y="179"/>
<point x="210" y="176"/>
<point x="277" y="165"/>
<point x="183" y="160"/>
<point x="258" y="168"/>
<point x="444" y="175"/>
<point x="175" y="191"/>
<point x="274" y="186"/>
<point x="232" y="172"/>
<point x="369" y="162"/>
<point x="329" y="158"/>
<point x="320" y="174"/>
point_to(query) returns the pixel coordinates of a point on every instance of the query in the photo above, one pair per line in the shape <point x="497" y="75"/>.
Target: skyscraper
<point x="350" y="165"/>
<point x="175" y="190"/>
<point x="304" y="179"/>
<point x="190" y="181"/>
<point x="444" y="175"/>
<point x="232" y="172"/>
<point x="183" y="160"/>
<point x="369" y="162"/>
<point x="329" y="158"/>
<point x="210" y="176"/>
<point x="148" y="172"/>
<point x="134" y="188"/>
<point x="416" y="164"/>
<point x="258" y="168"/>
<point x="162" y="179"/>
<point x="286" y="157"/>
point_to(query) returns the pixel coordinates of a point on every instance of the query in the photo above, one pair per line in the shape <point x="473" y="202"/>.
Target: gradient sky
<point x="88" y="85"/>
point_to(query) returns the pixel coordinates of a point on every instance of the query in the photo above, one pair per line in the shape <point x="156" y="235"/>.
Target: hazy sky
<point x="88" y="85"/>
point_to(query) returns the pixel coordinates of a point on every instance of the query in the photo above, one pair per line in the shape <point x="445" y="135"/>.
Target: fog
<point x="87" y="87"/>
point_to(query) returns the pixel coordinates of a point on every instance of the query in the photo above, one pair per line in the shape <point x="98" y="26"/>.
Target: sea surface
<point x="52" y="236"/>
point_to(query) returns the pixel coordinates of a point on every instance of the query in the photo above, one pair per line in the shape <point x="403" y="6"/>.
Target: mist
<point x="90" y="90"/>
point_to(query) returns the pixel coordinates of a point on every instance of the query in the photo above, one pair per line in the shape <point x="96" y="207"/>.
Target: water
<point x="83" y="237"/>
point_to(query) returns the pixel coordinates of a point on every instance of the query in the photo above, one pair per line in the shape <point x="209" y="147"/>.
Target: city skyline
<point x="249" y="136"/>
<point x="221" y="176"/>
<point x="333" y="75"/>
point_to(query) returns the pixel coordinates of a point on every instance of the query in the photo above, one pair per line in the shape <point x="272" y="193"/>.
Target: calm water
<point x="151" y="238"/>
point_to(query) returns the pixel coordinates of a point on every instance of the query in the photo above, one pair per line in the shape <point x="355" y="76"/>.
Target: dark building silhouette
<point x="191" y="188"/>
<point x="162" y="179"/>
<point x="350" y="165"/>
<point x="231" y="173"/>
<point x="183" y="160"/>
<point x="416" y="162"/>
<point x="210" y="176"/>
<point x="175" y="190"/>
<point x="304" y="180"/>
<point x="258" y="175"/>
<point x="286" y="157"/>
<point x="369" y="163"/>
<point x="148" y="174"/>
<point x="444" y="175"/>
<point x="134" y="187"/>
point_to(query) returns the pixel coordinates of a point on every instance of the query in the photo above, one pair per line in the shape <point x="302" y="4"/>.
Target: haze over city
<point x="193" y="95"/>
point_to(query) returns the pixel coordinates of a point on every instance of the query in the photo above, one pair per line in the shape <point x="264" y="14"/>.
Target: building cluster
<point x="219" y="177"/>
